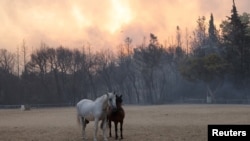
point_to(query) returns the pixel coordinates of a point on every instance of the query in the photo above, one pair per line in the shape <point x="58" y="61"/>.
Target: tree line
<point x="214" y="64"/>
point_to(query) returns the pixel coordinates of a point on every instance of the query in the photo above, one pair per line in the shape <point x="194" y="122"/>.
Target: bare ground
<point x="142" y="123"/>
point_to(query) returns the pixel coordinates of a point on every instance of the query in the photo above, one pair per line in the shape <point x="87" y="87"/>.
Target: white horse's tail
<point x="78" y="117"/>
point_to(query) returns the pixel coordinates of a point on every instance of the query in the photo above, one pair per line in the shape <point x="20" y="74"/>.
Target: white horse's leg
<point x="104" y="129"/>
<point x="83" y="128"/>
<point x="96" y="128"/>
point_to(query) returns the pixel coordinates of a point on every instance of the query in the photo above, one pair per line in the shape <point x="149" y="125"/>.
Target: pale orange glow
<point x="80" y="19"/>
<point x="103" y="24"/>
<point x="119" y="15"/>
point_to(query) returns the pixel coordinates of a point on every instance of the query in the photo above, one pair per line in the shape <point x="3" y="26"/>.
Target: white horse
<point x="88" y="110"/>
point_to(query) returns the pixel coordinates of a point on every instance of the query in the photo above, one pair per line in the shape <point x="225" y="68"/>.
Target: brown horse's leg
<point x="121" y="124"/>
<point x="116" y="136"/>
<point x="110" y="135"/>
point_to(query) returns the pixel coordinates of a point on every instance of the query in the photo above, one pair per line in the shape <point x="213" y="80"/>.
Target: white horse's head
<point x="112" y="100"/>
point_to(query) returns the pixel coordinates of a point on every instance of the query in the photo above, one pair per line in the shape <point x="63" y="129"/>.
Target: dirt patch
<point x="142" y="123"/>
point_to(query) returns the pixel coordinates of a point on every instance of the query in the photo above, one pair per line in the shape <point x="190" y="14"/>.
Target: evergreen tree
<point x="212" y="32"/>
<point x="235" y="40"/>
<point x="237" y="34"/>
<point x="213" y="37"/>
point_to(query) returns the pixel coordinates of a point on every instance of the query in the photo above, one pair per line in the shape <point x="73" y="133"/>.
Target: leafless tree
<point x="7" y="61"/>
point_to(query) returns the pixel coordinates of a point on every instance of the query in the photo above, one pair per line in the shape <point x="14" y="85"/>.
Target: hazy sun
<point x="120" y="14"/>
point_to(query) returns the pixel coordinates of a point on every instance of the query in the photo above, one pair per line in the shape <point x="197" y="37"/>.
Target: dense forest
<point x="211" y="65"/>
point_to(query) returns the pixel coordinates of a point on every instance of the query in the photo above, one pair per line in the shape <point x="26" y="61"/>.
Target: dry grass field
<point x="142" y="123"/>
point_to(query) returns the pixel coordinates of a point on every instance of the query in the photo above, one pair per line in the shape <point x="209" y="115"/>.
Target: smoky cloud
<point x="103" y="24"/>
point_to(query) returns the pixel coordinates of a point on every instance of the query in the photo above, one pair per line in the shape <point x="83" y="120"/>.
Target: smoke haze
<point x="102" y="24"/>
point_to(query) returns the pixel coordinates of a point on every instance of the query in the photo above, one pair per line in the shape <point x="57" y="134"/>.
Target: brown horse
<point x="117" y="116"/>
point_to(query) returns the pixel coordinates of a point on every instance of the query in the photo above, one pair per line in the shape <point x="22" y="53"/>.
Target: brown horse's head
<point x="119" y="101"/>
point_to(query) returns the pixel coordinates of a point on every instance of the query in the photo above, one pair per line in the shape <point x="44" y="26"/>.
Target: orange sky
<point x="102" y="23"/>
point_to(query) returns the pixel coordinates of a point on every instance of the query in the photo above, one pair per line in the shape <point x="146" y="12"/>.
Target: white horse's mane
<point x="101" y="97"/>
